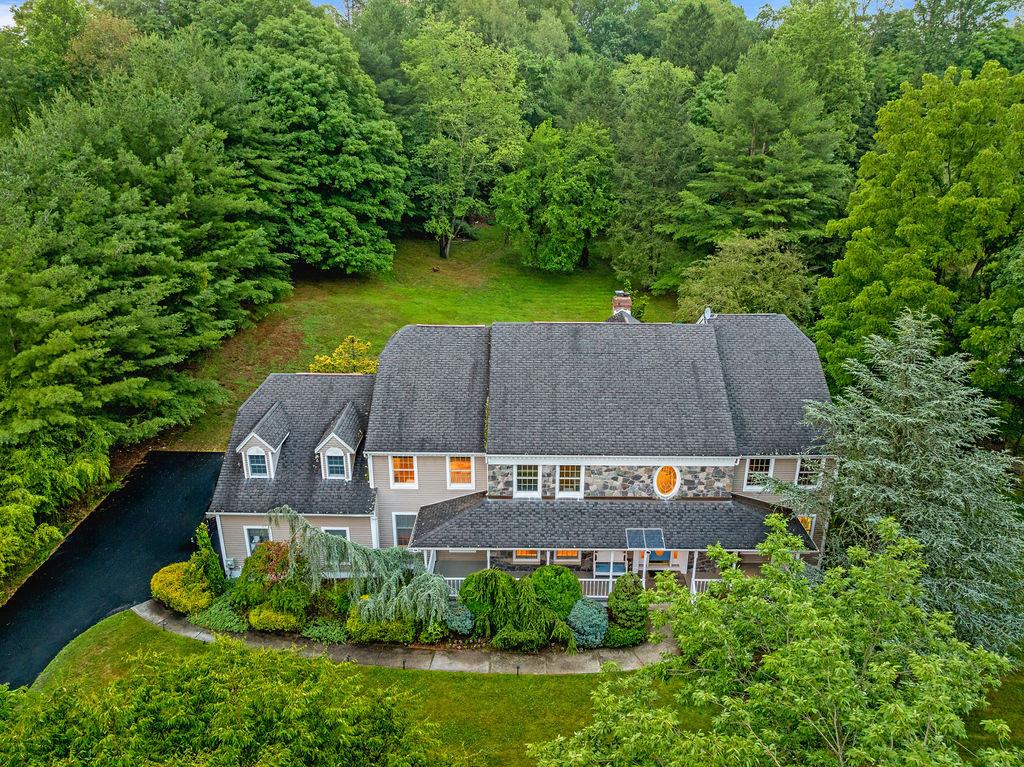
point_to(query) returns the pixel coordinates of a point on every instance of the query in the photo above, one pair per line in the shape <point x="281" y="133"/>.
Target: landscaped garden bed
<point x="389" y="598"/>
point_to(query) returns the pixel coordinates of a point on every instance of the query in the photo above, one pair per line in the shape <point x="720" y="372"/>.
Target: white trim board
<point x="612" y="460"/>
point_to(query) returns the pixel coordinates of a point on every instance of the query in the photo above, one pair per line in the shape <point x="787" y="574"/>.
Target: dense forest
<point x="165" y="164"/>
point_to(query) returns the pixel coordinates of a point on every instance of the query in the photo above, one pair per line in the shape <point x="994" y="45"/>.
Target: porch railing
<point x="700" y="585"/>
<point x="595" y="588"/>
<point x="454" y="584"/>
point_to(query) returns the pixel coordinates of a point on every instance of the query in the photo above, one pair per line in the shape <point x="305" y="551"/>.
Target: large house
<point x="603" y="446"/>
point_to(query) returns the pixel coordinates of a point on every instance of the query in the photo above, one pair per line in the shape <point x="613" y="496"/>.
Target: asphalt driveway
<point x="104" y="566"/>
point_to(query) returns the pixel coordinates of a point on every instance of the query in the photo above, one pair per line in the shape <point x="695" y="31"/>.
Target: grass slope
<point x="482" y="282"/>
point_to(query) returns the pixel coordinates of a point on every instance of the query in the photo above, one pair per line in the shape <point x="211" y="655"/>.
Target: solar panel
<point x="654" y="538"/>
<point x="645" y="538"/>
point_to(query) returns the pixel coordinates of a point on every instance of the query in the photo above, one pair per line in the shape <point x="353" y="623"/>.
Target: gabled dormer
<point x="261" y="449"/>
<point x="336" y="451"/>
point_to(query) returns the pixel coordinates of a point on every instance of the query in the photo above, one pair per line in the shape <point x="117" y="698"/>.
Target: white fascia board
<point x="265" y="514"/>
<point x="617" y="460"/>
<point x="328" y="438"/>
<point x="422" y="452"/>
<point x="254" y="436"/>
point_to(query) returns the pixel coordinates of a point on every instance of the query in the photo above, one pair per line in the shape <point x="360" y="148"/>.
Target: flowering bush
<point x="182" y="587"/>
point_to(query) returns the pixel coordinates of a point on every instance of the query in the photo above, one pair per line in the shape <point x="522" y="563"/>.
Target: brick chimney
<point x="622" y="302"/>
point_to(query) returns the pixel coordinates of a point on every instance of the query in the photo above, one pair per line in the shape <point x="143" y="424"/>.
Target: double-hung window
<point x="258" y="465"/>
<point x="403" y="471"/>
<point x="460" y="472"/>
<point x="809" y="472"/>
<point x="254" y="536"/>
<point x="335" y="466"/>
<point x="527" y="480"/>
<point x="526" y="556"/>
<point x="757" y="470"/>
<point x="569" y="483"/>
<point x="404" y="524"/>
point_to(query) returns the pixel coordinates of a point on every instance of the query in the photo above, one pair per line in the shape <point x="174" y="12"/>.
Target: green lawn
<point x="492" y="715"/>
<point x="482" y="282"/>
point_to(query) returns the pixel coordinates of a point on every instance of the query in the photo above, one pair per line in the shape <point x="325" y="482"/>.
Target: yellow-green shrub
<point x="266" y="618"/>
<point x="182" y="587"/>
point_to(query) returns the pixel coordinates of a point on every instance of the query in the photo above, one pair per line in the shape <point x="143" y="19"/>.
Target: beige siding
<point x="233" y="533"/>
<point x="784" y="470"/>
<point x="432" y="486"/>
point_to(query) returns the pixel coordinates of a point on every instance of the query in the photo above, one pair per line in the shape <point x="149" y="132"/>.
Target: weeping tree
<point x="390" y="584"/>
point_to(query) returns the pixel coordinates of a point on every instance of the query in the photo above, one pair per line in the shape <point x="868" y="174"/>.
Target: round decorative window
<point x="666" y="481"/>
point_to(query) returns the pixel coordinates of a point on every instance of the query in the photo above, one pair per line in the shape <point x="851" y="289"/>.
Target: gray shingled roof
<point x="348" y="426"/>
<point x="309" y="403"/>
<point x="273" y="427"/>
<point x="608" y="389"/>
<point x="771" y="368"/>
<point x="431" y="391"/>
<point x="477" y="522"/>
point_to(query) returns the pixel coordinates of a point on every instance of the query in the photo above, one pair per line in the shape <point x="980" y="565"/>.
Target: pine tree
<point x="908" y="435"/>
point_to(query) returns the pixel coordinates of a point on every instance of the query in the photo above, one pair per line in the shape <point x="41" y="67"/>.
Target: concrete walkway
<point x="551" y="661"/>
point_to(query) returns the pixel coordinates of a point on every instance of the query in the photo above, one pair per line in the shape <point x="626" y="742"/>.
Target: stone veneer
<point x="622" y="481"/>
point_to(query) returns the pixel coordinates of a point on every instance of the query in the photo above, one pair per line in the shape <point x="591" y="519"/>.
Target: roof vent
<point x="705" y="316"/>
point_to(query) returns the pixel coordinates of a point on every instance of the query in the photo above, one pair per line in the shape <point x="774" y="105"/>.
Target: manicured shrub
<point x="326" y="630"/>
<point x="625" y="603"/>
<point x="367" y="632"/>
<point x="266" y="618"/>
<point x="518" y="640"/>
<point x="182" y="587"/>
<point x="332" y="601"/>
<point x="206" y="559"/>
<point x="589" y="622"/>
<point x="617" y="636"/>
<point x="433" y="633"/>
<point x="557" y="588"/>
<point x="460" y="619"/>
<point x="491" y="596"/>
<point x="220" y="616"/>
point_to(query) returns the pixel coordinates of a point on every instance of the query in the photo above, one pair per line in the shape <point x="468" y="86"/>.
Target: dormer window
<point x="335" y="466"/>
<point x="258" y="464"/>
<point x="527" y="481"/>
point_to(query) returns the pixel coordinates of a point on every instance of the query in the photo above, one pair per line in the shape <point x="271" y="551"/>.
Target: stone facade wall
<point x="621" y="481"/>
<point x="499" y="480"/>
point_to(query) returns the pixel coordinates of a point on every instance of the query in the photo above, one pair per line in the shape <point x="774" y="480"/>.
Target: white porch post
<point x="488" y="559"/>
<point x="693" y="578"/>
<point x="431" y="560"/>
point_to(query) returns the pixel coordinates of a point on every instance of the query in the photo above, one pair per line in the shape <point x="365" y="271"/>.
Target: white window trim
<point x="516" y="492"/>
<point x="821" y="473"/>
<point x="255" y="450"/>
<point x="558" y="482"/>
<point x="394" y="523"/>
<point x="414" y="485"/>
<point x="335" y="451"/>
<point x="675" y="488"/>
<point x="245" y="535"/>
<point x="525" y="560"/>
<point x="746" y="472"/>
<point x="448" y="472"/>
<point x="329" y="528"/>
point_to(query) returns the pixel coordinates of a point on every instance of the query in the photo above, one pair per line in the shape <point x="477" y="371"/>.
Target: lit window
<point x="807" y="522"/>
<point x="809" y="473"/>
<point x="570" y="481"/>
<point x="526" y="555"/>
<point x="254" y="536"/>
<point x="403" y="470"/>
<point x="528" y="479"/>
<point x="567" y="555"/>
<point x="404" y="524"/>
<point x="336" y="466"/>
<point x="757" y="469"/>
<point x="666" y="481"/>
<point x="258" y="465"/>
<point x="460" y="471"/>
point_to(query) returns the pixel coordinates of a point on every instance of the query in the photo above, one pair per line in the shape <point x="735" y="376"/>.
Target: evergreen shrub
<point x="266" y="618"/>
<point x="220" y="616"/>
<point x="557" y="587"/>
<point x="182" y="587"/>
<point x="326" y="631"/>
<point x="589" y="622"/>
